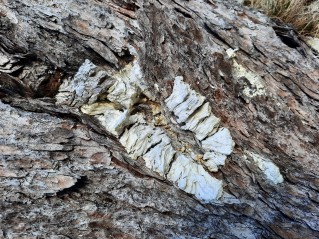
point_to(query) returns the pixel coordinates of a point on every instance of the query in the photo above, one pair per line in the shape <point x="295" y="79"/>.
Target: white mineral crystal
<point x="8" y="13"/>
<point x="313" y="42"/>
<point x="159" y="158"/>
<point x="179" y="94"/>
<point x="207" y="127"/>
<point x="202" y="123"/>
<point x="3" y="59"/>
<point x="231" y="53"/>
<point x="114" y="121"/>
<point x="184" y="110"/>
<point x="192" y="178"/>
<point x="188" y="107"/>
<point x="123" y="93"/>
<point x="270" y="170"/>
<point x="140" y="138"/>
<point x="220" y="142"/>
<point x="212" y="160"/>
<point x="111" y="119"/>
<point x="126" y="88"/>
<point x="202" y="113"/>
<point x="97" y="108"/>
<point x="183" y="101"/>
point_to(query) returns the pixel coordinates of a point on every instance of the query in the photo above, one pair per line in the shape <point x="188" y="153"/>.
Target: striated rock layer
<point x="155" y="119"/>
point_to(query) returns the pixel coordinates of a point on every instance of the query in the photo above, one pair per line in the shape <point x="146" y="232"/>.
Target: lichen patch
<point x="314" y="43"/>
<point x="255" y="86"/>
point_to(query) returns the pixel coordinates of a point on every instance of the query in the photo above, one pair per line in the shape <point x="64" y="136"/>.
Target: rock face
<point x="155" y="119"/>
<point x="114" y="108"/>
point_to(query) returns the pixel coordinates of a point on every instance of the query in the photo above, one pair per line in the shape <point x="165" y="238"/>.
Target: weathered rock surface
<point x="155" y="119"/>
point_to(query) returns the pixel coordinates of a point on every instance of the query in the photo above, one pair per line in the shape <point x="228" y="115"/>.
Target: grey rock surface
<point x="65" y="174"/>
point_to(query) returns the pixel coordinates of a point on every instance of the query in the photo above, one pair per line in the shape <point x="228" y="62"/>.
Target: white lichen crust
<point x="256" y="83"/>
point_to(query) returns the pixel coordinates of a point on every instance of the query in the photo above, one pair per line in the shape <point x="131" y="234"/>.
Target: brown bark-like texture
<point x="64" y="174"/>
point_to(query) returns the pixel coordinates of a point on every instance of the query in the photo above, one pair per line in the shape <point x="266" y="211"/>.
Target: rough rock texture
<point x="77" y="76"/>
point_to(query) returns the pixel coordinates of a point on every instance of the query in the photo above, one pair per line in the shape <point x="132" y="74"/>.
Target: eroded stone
<point x="59" y="182"/>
